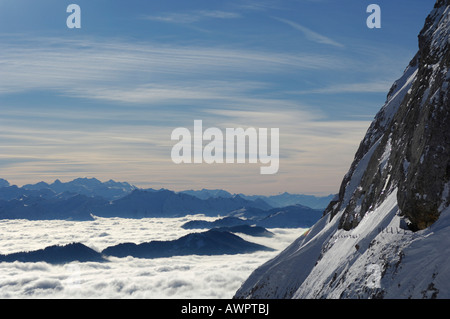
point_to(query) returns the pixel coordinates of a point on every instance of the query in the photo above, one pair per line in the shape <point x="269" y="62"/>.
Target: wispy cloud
<point x="140" y="69"/>
<point x="141" y="92"/>
<point x="192" y="16"/>
<point x="259" y="5"/>
<point x="310" y="34"/>
<point x="366" y="87"/>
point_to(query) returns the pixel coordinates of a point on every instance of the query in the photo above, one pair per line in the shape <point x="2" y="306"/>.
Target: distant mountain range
<point x="165" y="203"/>
<point x="276" y="201"/>
<point x="83" y="198"/>
<point x="110" y="190"/>
<point x="89" y="187"/>
<point x="296" y="216"/>
<point x="86" y="198"/>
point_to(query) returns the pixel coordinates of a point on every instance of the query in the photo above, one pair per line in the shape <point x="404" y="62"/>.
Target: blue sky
<point x="102" y="101"/>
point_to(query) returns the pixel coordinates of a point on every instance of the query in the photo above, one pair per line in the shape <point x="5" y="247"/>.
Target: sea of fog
<point x="181" y="277"/>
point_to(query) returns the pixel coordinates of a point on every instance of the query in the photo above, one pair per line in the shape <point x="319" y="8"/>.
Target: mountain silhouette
<point x="211" y="242"/>
<point x="57" y="254"/>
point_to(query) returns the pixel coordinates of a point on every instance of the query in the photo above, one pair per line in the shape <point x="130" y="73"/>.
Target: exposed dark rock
<point x="408" y="144"/>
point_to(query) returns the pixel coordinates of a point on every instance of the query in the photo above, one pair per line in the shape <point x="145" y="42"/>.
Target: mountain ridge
<point x="276" y="201"/>
<point x="83" y="198"/>
<point x="211" y="242"/>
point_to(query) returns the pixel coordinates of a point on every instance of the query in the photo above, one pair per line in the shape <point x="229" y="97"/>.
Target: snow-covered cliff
<point x="387" y="233"/>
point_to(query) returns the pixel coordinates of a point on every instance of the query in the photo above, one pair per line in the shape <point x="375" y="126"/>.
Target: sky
<point x="102" y="100"/>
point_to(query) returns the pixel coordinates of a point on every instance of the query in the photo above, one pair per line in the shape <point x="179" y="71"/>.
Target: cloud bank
<point x="177" y="277"/>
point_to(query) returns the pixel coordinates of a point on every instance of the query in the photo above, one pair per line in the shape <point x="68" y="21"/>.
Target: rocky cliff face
<point x="399" y="181"/>
<point x="408" y="145"/>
